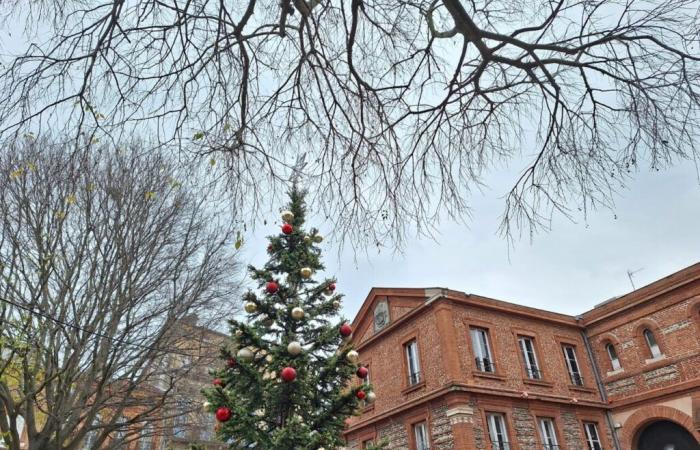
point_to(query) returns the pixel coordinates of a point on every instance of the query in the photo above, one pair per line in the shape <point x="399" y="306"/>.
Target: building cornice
<point x="471" y="389"/>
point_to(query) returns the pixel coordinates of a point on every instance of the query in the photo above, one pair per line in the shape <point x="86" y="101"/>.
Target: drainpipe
<point x="601" y="389"/>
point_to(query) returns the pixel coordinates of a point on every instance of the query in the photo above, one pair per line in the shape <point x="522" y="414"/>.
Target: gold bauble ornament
<point x="318" y="239"/>
<point x="287" y="216"/>
<point x="307" y="239"/>
<point x="269" y="358"/>
<point x="336" y="304"/>
<point x="306" y="272"/>
<point x="250" y="307"/>
<point x="297" y="313"/>
<point x="294" y="348"/>
<point x="267" y="321"/>
<point x="353" y="356"/>
<point x="245" y="354"/>
<point x="371" y="397"/>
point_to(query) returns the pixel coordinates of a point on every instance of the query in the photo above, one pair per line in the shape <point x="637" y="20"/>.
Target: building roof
<point x="601" y="311"/>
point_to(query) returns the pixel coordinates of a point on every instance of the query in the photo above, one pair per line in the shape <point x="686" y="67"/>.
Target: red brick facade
<point x="525" y="382"/>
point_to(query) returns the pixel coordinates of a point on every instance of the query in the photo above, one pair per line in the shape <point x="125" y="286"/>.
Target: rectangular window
<point x="180" y="420"/>
<point x="482" y="350"/>
<point x="497" y="431"/>
<point x="572" y="365"/>
<point x="547" y="434"/>
<point x="413" y="363"/>
<point x="527" y="347"/>
<point x="420" y="431"/>
<point x="592" y="436"/>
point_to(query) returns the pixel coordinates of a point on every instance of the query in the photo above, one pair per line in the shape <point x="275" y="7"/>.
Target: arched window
<point x="651" y="343"/>
<point x="614" y="360"/>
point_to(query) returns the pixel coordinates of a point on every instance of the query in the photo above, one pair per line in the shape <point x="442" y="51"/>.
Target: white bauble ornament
<point x="245" y="354"/>
<point x="206" y="406"/>
<point x="336" y="304"/>
<point x="307" y="239"/>
<point x="294" y="348"/>
<point x="318" y="239"/>
<point x="250" y="307"/>
<point x="287" y="216"/>
<point x="269" y="358"/>
<point x="353" y="356"/>
<point x="371" y="397"/>
<point x="297" y="313"/>
<point x="306" y="272"/>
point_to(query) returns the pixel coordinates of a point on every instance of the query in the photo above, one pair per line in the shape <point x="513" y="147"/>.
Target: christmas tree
<point x="291" y="377"/>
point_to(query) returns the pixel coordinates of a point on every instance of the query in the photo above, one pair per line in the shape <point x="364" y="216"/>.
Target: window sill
<point x="652" y="361"/>
<point x="573" y="387"/>
<point x="489" y="375"/>
<point x="538" y="382"/>
<point x="612" y="373"/>
<point x="415" y="387"/>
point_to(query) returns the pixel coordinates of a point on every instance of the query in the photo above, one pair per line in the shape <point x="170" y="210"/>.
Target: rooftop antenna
<point x="630" y="274"/>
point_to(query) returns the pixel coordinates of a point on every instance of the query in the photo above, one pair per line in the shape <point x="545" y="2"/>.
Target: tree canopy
<point x="392" y="110"/>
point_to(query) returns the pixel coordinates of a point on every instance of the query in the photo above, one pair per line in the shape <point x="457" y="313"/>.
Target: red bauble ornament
<point x="231" y="362"/>
<point x="271" y="287"/>
<point x="362" y="372"/>
<point x="287" y="228"/>
<point x="269" y="248"/>
<point x="223" y="414"/>
<point x="289" y="374"/>
<point x="345" y="330"/>
<point x="218" y="382"/>
<point x="361" y="395"/>
<point x="331" y="287"/>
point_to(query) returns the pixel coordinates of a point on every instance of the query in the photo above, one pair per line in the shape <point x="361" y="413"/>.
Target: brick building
<point x="460" y="371"/>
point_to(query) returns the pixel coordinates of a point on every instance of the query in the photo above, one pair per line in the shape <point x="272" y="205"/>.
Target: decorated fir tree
<point x="291" y="377"/>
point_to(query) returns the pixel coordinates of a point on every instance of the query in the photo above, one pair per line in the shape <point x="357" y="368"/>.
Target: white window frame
<point x="499" y="437"/>
<point x="413" y="361"/>
<point x="548" y="433"/>
<point x="572" y="364"/>
<point x="614" y="358"/>
<point x="146" y="438"/>
<point x="652" y="343"/>
<point x="420" y="432"/>
<point x="482" y="349"/>
<point x="592" y="438"/>
<point x="532" y="366"/>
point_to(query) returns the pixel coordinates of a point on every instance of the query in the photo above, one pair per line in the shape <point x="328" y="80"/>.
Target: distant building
<point x="460" y="371"/>
<point x="185" y="422"/>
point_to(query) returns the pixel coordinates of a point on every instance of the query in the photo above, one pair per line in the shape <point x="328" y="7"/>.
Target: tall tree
<point x="102" y="254"/>
<point x="395" y="107"/>
<point x="293" y="377"/>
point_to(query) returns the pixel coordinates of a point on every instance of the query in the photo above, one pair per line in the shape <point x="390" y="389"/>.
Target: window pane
<point x="497" y="431"/>
<point x="421" y="434"/>
<point x="651" y="342"/>
<point x="528" y="351"/>
<point x="572" y="364"/>
<point x="612" y="353"/>
<point x="548" y="435"/>
<point x="413" y="364"/>
<point x="482" y="351"/>
<point x="592" y="438"/>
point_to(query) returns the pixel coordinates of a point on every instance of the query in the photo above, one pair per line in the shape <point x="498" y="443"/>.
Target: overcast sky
<point x="654" y="230"/>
